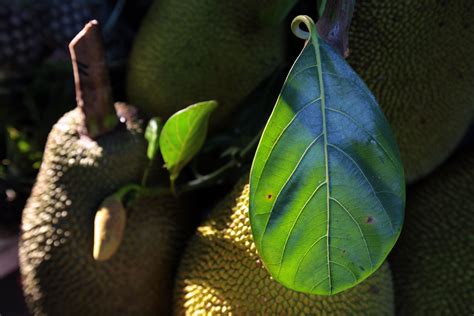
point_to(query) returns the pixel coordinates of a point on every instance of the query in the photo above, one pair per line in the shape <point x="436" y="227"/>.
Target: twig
<point x="215" y="176"/>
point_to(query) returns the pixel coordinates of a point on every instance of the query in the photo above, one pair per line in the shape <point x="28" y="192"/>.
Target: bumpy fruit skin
<point x="189" y="51"/>
<point x="433" y="262"/>
<point x="32" y="29"/>
<point x="417" y="57"/>
<point x="221" y="273"/>
<point x="58" y="270"/>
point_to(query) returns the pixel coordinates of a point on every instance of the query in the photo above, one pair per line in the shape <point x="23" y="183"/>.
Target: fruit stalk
<point x="334" y="23"/>
<point x="91" y="79"/>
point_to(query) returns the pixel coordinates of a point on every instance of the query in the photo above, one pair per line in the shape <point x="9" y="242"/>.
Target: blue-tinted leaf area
<point x="327" y="186"/>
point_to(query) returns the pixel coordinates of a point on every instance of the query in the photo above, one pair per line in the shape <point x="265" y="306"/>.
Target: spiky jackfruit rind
<point x="58" y="270"/>
<point x="221" y="273"/>
<point x="432" y="262"/>
<point x="188" y="51"/>
<point x="417" y="57"/>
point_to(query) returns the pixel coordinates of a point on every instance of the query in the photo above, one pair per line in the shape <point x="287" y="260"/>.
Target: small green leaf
<point x="184" y="134"/>
<point x="327" y="189"/>
<point x="152" y="135"/>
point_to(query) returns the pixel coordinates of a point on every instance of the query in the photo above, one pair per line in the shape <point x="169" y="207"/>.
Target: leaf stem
<point x="173" y="185"/>
<point x="146" y="172"/>
<point x="334" y="23"/>
<point x="216" y="176"/>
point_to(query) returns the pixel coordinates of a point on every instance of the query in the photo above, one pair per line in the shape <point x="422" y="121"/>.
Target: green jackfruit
<point x="190" y="51"/>
<point x="59" y="272"/>
<point x="433" y="261"/>
<point x="417" y="57"/>
<point x="221" y="273"/>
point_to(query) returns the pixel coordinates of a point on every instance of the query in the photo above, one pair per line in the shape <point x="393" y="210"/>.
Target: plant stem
<point x="91" y="79"/>
<point x="173" y="186"/>
<point x="146" y="173"/>
<point x="334" y="23"/>
<point x="215" y="176"/>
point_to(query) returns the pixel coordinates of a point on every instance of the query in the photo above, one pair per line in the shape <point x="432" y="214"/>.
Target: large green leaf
<point x="184" y="134"/>
<point x="327" y="190"/>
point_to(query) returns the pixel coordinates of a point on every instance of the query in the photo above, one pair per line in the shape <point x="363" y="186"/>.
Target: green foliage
<point x="28" y="109"/>
<point x="183" y="135"/>
<point x="22" y="155"/>
<point x="327" y="189"/>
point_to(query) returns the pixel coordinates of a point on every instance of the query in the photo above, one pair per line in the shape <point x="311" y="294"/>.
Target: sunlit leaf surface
<point x="327" y="189"/>
<point x="184" y="134"/>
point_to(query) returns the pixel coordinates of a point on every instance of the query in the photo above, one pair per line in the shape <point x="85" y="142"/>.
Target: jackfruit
<point x="190" y="51"/>
<point x="433" y="262"/>
<point x="221" y="273"/>
<point x="417" y="57"/>
<point x="58" y="270"/>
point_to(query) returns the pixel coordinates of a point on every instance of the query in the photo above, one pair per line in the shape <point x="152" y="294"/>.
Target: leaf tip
<point x="211" y="104"/>
<point x="296" y="26"/>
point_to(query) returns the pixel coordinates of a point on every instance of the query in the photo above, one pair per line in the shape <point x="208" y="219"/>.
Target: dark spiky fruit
<point x="31" y="29"/>
<point x="56" y="251"/>
<point x="433" y="261"/>
<point x="417" y="57"/>
<point x="190" y="51"/>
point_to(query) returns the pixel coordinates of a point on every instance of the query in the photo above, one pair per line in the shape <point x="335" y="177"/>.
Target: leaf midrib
<point x="315" y="41"/>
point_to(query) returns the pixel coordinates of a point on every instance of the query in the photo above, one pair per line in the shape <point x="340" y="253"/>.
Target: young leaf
<point x="183" y="135"/>
<point x="152" y="135"/>
<point x="327" y="190"/>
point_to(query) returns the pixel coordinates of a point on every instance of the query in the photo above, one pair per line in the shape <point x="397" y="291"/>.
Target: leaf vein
<point x="306" y="253"/>
<point x="314" y="37"/>
<point x="277" y="140"/>
<point x="317" y="284"/>
<point x="286" y="183"/>
<point x="368" y="182"/>
<point x="345" y="267"/>
<point x="358" y="226"/>
<point x="363" y="129"/>
<point x="301" y="71"/>
<point x="296" y="220"/>
<point x="371" y="98"/>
